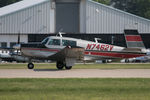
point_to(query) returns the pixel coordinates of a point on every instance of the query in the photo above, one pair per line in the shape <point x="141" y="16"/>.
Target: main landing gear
<point x="68" y="67"/>
<point x="61" y="65"/>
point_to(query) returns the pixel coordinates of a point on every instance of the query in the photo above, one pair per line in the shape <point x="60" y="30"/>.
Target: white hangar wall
<point x="104" y="19"/>
<point x="28" y="16"/>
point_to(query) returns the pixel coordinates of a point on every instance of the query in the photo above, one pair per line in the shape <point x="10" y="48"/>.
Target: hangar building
<point x="35" y="19"/>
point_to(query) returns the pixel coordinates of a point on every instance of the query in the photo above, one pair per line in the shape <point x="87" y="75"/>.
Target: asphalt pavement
<point x="75" y="73"/>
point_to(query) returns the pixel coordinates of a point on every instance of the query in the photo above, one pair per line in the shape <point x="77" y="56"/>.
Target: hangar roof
<point x="29" y="3"/>
<point x="19" y="6"/>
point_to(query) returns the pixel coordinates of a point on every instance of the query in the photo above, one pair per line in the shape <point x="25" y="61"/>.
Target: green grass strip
<point x="79" y="66"/>
<point x="75" y="89"/>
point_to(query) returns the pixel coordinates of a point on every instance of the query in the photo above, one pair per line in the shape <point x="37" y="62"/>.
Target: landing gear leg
<point x="30" y="65"/>
<point x="60" y="65"/>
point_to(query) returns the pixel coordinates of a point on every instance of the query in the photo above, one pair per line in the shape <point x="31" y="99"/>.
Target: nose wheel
<point x="60" y="65"/>
<point x="30" y="65"/>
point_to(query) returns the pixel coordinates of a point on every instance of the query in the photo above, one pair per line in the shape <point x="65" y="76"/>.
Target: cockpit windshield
<point x="69" y="43"/>
<point x="54" y="42"/>
<point x="45" y="41"/>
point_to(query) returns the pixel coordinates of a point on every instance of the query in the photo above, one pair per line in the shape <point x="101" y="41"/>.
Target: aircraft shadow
<point x="38" y="70"/>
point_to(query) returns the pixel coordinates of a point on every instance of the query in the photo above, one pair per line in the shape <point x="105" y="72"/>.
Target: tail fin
<point x="133" y="39"/>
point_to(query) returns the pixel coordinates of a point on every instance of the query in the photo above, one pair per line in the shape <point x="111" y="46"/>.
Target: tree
<point x="142" y="8"/>
<point x="107" y="2"/>
<point x="137" y="7"/>
<point x="7" y="2"/>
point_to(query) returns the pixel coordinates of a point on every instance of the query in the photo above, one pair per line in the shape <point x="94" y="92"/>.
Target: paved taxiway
<point x="75" y="73"/>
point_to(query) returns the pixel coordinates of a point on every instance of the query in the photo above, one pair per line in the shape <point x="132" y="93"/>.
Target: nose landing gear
<point x="30" y="65"/>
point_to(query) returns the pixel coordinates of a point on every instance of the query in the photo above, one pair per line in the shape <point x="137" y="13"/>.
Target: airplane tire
<point x="126" y="61"/>
<point x="104" y="61"/>
<point x="30" y="66"/>
<point x="60" y="65"/>
<point x="68" y="67"/>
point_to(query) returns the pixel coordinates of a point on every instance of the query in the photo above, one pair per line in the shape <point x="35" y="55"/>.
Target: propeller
<point x="17" y="46"/>
<point x="18" y="42"/>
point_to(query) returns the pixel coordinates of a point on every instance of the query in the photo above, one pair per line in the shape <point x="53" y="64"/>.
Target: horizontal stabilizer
<point x="132" y="50"/>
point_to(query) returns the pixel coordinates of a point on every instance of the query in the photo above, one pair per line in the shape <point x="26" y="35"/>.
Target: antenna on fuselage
<point x="60" y="34"/>
<point x="96" y="39"/>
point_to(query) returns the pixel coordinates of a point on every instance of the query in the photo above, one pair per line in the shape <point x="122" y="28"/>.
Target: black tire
<point x="126" y="61"/>
<point x="30" y="66"/>
<point x="68" y="67"/>
<point x="60" y="65"/>
<point x="104" y="61"/>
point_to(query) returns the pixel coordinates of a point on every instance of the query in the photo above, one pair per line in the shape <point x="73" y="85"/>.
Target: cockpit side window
<point x="45" y="41"/>
<point x="69" y="43"/>
<point x="54" y="42"/>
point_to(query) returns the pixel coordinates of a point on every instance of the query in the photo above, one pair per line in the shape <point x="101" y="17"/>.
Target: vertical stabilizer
<point x="133" y="39"/>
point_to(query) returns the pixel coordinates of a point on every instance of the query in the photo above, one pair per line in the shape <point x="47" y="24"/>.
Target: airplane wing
<point x="69" y="52"/>
<point x="6" y="48"/>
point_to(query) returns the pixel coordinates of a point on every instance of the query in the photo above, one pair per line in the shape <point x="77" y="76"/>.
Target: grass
<point x="75" y="89"/>
<point x="78" y="66"/>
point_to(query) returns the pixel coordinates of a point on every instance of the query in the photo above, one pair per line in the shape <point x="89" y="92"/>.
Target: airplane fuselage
<point x="93" y="50"/>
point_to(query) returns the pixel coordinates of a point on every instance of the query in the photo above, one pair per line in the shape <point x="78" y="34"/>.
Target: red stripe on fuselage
<point x="133" y="38"/>
<point x="114" y="55"/>
<point x="41" y="49"/>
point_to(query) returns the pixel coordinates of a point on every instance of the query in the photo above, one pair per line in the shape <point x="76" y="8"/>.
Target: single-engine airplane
<point x="65" y="51"/>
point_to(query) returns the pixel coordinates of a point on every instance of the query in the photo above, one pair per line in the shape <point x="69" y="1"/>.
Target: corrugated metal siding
<point x="104" y="19"/>
<point x="35" y="19"/>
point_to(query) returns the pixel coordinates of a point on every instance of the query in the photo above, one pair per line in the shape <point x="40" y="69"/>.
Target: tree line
<point x="7" y="2"/>
<point x="137" y="7"/>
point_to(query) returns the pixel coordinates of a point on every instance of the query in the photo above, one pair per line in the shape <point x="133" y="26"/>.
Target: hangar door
<point x="67" y="16"/>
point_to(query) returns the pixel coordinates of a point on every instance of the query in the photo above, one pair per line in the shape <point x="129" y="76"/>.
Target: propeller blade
<point x="18" y="42"/>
